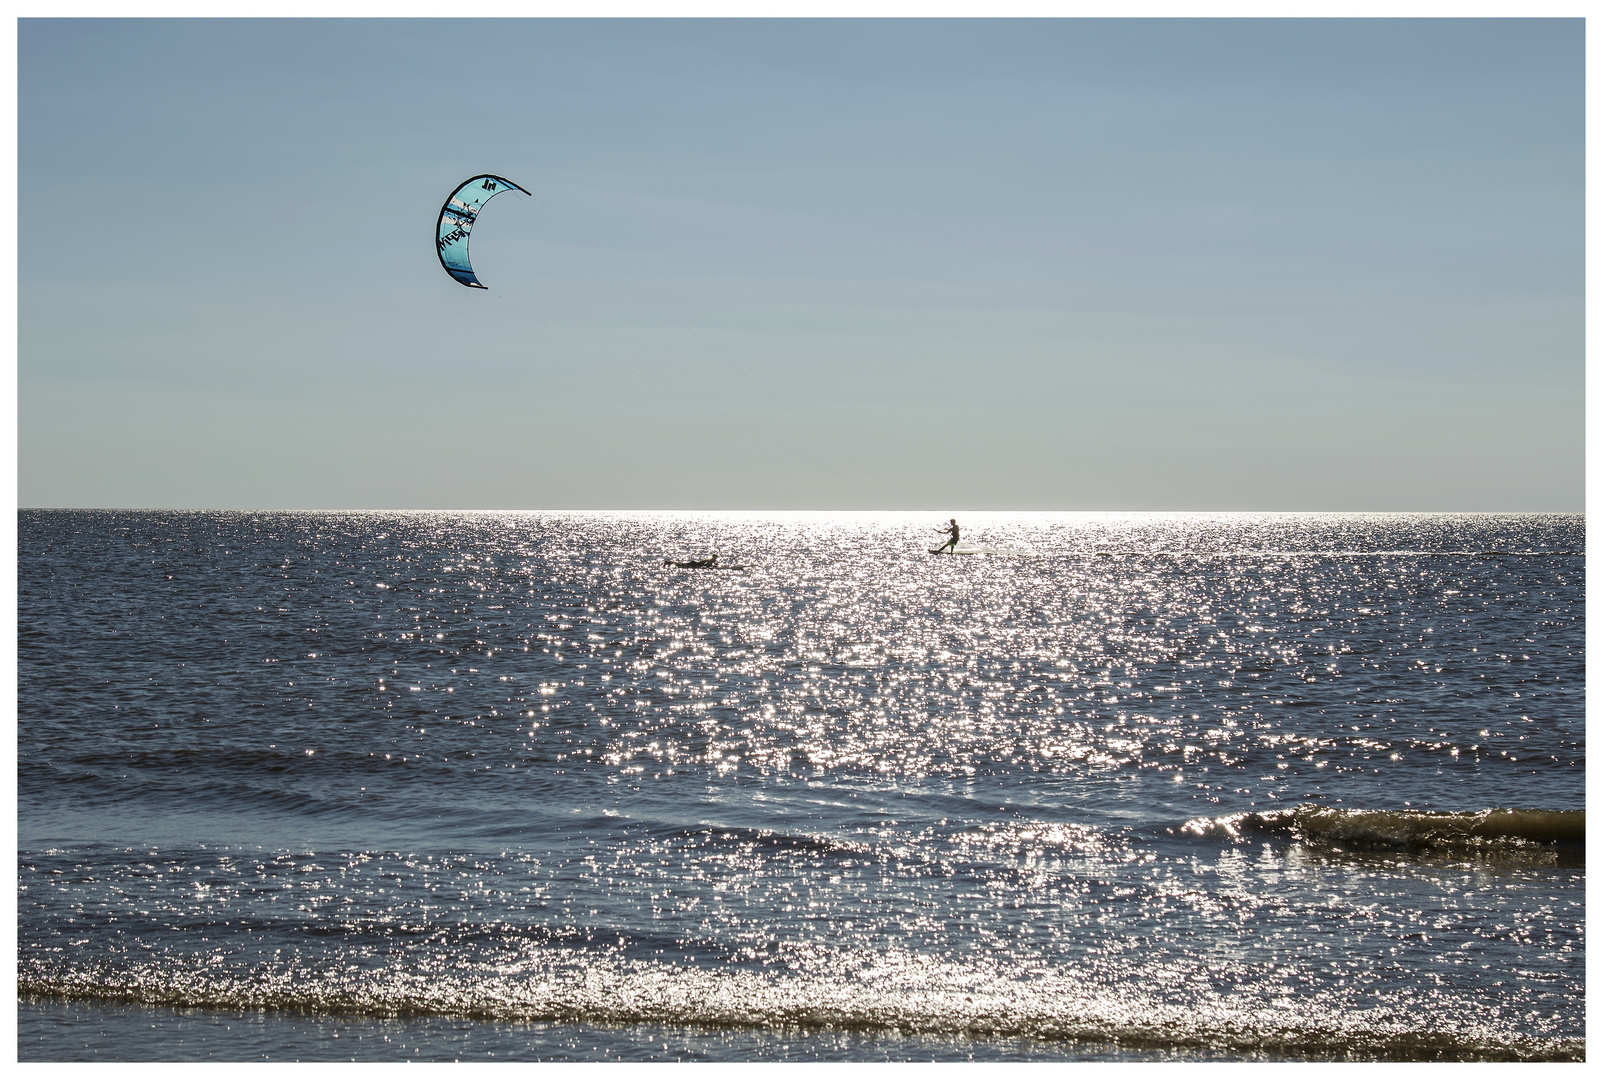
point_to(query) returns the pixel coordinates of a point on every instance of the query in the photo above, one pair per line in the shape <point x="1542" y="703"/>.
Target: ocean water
<point x="434" y="786"/>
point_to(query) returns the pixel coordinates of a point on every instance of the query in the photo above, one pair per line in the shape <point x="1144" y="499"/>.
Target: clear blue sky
<point x="1219" y="265"/>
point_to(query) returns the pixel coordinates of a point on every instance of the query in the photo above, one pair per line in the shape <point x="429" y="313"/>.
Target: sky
<point x="778" y="264"/>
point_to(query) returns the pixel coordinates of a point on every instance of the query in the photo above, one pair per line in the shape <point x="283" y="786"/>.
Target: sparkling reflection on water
<point x="514" y="767"/>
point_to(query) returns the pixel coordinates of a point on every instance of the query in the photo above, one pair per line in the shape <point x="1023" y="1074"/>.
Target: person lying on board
<point x="709" y="563"/>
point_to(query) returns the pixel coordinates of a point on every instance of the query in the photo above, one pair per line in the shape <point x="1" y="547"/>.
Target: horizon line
<point x="725" y="510"/>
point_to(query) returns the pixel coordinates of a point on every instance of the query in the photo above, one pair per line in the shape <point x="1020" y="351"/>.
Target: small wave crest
<point x="1483" y="831"/>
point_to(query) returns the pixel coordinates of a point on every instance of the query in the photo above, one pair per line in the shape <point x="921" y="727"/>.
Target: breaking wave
<point x="1488" y="832"/>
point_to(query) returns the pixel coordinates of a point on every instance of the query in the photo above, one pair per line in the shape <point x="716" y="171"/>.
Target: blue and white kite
<point x="456" y="221"/>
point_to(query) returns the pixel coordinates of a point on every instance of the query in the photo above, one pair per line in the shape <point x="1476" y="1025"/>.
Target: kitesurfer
<point x="709" y="563"/>
<point x="951" y="542"/>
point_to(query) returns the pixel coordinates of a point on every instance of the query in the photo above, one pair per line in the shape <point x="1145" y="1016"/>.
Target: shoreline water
<point x="58" y="1028"/>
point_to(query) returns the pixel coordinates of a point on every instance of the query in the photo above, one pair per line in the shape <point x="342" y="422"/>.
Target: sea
<point x="319" y="786"/>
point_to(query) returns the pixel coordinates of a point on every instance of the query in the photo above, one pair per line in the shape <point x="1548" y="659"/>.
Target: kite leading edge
<point x="456" y="221"/>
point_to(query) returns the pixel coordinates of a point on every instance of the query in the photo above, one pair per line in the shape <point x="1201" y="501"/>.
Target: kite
<point x="456" y="221"/>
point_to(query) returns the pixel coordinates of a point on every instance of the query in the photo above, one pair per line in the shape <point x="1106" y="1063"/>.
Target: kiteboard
<point x="699" y="566"/>
<point x="965" y="548"/>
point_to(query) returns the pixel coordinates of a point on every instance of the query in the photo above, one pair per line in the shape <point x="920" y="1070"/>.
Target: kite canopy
<point x="456" y="221"/>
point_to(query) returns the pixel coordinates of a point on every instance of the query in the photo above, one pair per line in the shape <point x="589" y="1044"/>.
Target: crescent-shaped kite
<point x="456" y="221"/>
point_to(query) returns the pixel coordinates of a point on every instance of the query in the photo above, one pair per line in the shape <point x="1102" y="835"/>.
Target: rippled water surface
<point x="450" y="785"/>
